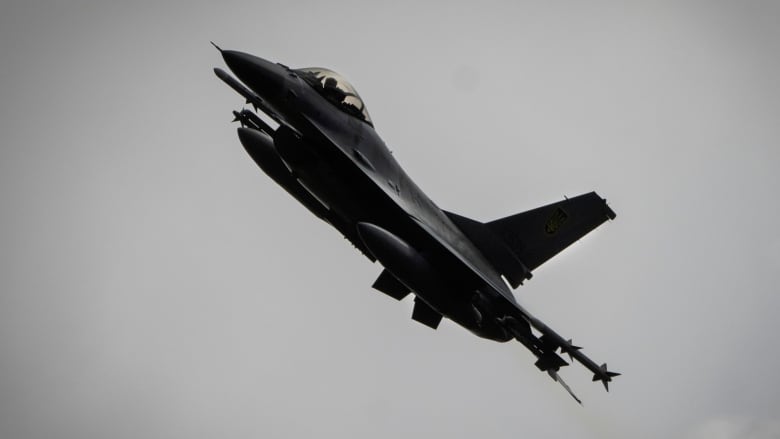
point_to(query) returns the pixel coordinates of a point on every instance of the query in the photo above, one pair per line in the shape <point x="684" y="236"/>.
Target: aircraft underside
<point x="326" y="154"/>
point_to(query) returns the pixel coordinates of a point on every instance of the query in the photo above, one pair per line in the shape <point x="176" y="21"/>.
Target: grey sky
<point x="146" y="287"/>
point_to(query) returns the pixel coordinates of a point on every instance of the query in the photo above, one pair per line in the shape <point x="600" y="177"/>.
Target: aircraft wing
<point x="537" y="235"/>
<point x="494" y="281"/>
<point x="516" y="245"/>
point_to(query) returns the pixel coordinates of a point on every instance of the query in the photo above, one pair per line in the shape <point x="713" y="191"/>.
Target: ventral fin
<point x="426" y="315"/>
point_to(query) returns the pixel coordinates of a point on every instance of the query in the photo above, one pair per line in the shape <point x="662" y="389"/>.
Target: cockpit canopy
<point x="337" y="90"/>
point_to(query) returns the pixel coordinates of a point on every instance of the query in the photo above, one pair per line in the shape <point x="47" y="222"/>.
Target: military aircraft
<point x="326" y="153"/>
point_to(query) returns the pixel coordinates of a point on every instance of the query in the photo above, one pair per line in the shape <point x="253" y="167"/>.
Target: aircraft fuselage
<point x="327" y="155"/>
<point x="346" y="166"/>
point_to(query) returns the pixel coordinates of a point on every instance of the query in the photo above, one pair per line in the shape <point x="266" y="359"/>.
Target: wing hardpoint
<point x="518" y="244"/>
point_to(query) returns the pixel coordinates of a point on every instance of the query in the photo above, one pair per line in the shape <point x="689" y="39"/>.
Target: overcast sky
<point x="155" y="284"/>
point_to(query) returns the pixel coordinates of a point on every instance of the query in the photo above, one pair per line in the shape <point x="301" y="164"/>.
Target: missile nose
<point x="263" y="77"/>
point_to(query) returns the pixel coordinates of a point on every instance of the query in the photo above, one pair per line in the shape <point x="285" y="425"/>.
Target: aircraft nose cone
<point x="263" y="77"/>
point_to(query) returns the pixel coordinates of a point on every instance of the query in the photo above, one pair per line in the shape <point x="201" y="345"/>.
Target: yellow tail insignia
<point x="556" y="221"/>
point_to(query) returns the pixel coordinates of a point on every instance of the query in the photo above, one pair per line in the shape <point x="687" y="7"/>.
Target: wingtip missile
<point x="250" y="96"/>
<point x="223" y="75"/>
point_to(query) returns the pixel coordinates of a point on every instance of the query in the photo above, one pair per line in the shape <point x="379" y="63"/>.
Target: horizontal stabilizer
<point x="426" y="315"/>
<point x="388" y="284"/>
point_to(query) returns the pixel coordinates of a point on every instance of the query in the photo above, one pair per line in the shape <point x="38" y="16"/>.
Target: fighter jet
<point x="324" y="151"/>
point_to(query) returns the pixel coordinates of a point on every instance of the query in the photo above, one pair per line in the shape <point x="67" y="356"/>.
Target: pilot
<point x="332" y="90"/>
